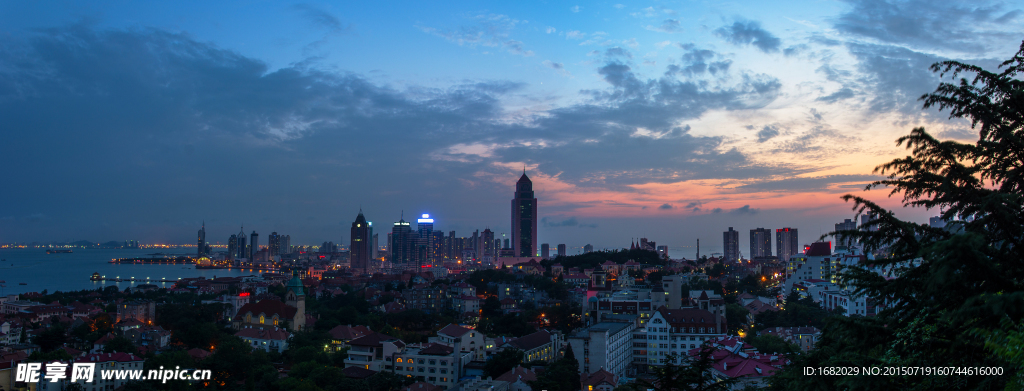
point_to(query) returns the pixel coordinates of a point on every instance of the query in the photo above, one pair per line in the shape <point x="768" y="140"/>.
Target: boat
<point x="58" y="251"/>
<point x="22" y="283"/>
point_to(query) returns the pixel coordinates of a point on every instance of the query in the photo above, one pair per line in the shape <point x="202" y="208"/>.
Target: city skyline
<point x="666" y="120"/>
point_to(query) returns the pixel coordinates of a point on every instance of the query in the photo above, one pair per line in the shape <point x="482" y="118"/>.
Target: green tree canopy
<point x="948" y="290"/>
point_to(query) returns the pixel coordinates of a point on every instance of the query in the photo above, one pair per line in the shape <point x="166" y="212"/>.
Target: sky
<point x="666" y="120"/>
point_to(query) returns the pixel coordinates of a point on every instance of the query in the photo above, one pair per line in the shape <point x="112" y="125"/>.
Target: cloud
<point x="667" y="26"/>
<point x="696" y="62"/>
<point x="325" y="20"/>
<point x="576" y="8"/>
<point x="665" y="206"/>
<point x="570" y="222"/>
<point x="619" y="6"/>
<point x="971" y="27"/>
<point x="749" y="33"/>
<point x="631" y="43"/>
<point x="841" y="94"/>
<point x="490" y="30"/>
<point x="516" y="47"/>
<point x="557" y="66"/>
<point x="767" y="132"/>
<point x="745" y="210"/>
<point x="575" y="34"/>
<point x="806" y="184"/>
<point x="177" y="111"/>
<point x="549" y="30"/>
<point x="617" y="52"/>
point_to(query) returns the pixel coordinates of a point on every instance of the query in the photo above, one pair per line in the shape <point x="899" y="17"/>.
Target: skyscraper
<point x="254" y="245"/>
<point x="425" y="239"/>
<point x="401" y="243"/>
<point x="561" y="250"/>
<point x="786" y="243"/>
<point x="232" y="246"/>
<point x="359" y="247"/>
<point x="243" y="252"/>
<point x="274" y="243"/>
<point x="487" y="237"/>
<point x="545" y="250"/>
<point x="588" y="248"/>
<point x="847" y="224"/>
<point x="524" y="219"/>
<point x="760" y="243"/>
<point x="731" y="243"/>
<point x="286" y="244"/>
<point x="202" y="241"/>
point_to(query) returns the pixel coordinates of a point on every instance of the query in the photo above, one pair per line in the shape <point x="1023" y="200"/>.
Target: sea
<point x="71" y="272"/>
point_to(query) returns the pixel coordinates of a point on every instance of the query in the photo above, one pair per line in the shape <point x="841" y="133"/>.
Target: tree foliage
<point x="947" y="291"/>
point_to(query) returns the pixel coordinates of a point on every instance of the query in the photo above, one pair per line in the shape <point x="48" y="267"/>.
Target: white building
<point x="606" y="345"/>
<point x="268" y="340"/>
<point x="674" y="332"/>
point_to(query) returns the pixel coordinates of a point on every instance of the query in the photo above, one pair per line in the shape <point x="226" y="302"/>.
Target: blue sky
<point x="658" y="119"/>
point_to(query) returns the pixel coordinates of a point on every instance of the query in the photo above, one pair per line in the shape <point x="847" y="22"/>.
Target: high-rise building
<point x="846" y="225"/>
<point x="662" y="251"/>
<point x="487" y="237"/>
<point x="507" y="245"/>
<point x="243" y="251"/>
<point x="202" y="241"/>
<point x="401" y="243"/>
<point x="524" y="219"/>
<point x="274" y="243"/>
<point x="374" y="246"/>
<point x="359" y="247"/>
<point x="254" y="244"/>
<point x="760" y="243"/>
<point x="286" y="244"/>
<point x="589" y="248"/>
<point x="561" y="250"/>
<point x="786" y="243"/>
<point x="232" y="246"/>
<point x="731" y="243"/>
<point x="545" y="250"/>
<point x="425" y="239"/>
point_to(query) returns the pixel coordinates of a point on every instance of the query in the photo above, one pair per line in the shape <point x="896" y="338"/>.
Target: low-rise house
<point x="373" y="351"/>
<point x="265" y="339"/>
<point x="343" y="334"/>
<point x="601" y="380"/>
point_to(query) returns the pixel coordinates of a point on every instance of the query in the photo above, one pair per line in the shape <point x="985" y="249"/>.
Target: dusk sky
<point x="670" y="120"/>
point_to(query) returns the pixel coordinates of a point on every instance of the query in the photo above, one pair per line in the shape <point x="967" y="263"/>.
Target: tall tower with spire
<point x="240" y="238"/>
<point x="524" y="219"/>
<point x="359" y="245"/>
<point x="202" y="241"/>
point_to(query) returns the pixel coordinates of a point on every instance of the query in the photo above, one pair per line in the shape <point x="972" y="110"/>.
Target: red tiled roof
<point x="358" y="372"/>
<point x="531" y="341"/>
<point x="437" y="350"/>
<point x="518" y="373"/>
<point x="268" y="308"/>
<point x="348" y="332"/>
<point x="819" y="249"/>
<point x="454" y="330"/>
<point x="372" y="339"/>
<point x="596" y="378"/>
<point x="687" y="315"/>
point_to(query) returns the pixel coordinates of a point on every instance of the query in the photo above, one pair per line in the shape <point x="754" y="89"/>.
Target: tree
<point x="946" y="290"/>
<point x="694" y="373"/>
<point x="120" y="344"/>
<point x="503" y="362"/>
<point x="562" y="375"/>
<point x="771" y="344"/>
<point x="736" y="317"/>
